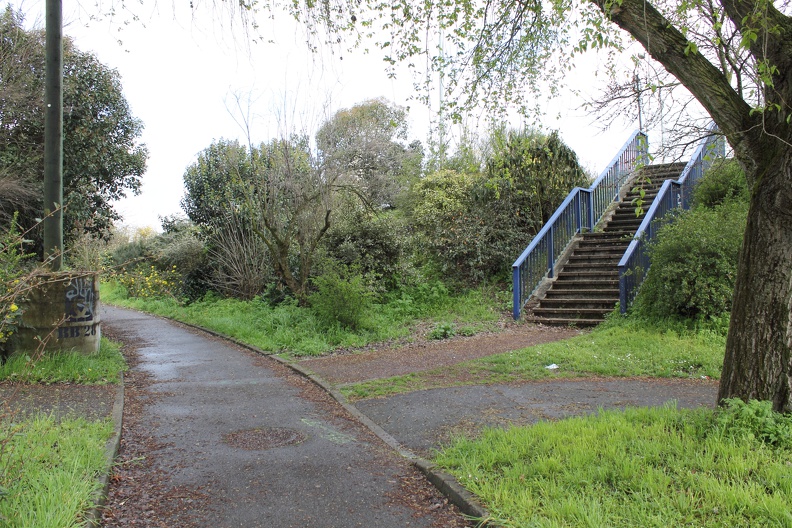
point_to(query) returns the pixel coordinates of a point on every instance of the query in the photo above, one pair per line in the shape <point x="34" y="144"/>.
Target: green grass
<point x="655" y="467"/>
<point x="293" y="330"/>
<point x="66" y="367"/>
<point x="49" y="471"/>
<point x="619" y="348"/>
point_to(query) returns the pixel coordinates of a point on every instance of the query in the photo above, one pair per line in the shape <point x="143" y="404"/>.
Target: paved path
<point x="211" y="402"/>
<point x="414" y="420"/>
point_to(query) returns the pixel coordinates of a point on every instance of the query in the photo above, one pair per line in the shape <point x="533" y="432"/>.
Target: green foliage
<point x="50" y="470"/>
<point x="341" y="298"/>
<point x="365" y="145"/>
<point x="755" y="420"/>
<point x="67" y="367"/>
<point x="638" y="467"/>
<point x="102" y="158"/>
<point x="148" y="282"/>
<point x="475" y="225"/>
<point x="442" y="331"/>
<point x="724" y="182"/>
<point x="297" y="330"/>
<point x="419" y="300"/>
<point x="694" y="264"/>
<point x="620" y="348"/>
<point x="371" y="243"/>
<point x="216" y="180"/>
<point x="15" y="280"/>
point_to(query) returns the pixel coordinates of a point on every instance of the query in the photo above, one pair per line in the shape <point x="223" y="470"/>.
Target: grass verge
<point x="294" y="330"/>
<point x="640" y="467"/>
<point x="50" y="471"/>
<point x="615" y="349"/>
<point x="66" y="367"/>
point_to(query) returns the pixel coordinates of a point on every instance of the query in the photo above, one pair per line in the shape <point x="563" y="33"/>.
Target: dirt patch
<point x="353" y="366"/>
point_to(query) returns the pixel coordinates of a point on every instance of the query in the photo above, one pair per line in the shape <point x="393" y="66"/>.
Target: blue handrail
<point x="672" y="195"/>
<point x="582" y="208"/>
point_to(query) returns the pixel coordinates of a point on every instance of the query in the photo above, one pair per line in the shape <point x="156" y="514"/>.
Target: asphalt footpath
<point x="231" y="423"/>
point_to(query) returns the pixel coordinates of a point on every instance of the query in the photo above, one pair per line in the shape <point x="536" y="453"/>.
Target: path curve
<point x="237" y="439"/>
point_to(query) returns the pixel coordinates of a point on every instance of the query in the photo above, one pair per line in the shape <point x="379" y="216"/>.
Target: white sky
<point x="178" y="75"/>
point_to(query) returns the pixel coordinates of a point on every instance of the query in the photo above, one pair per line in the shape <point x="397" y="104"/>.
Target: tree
<point x="365" y="146"/>
<point x="475" y="221"/>
<point x="102" y="157"/>
<point x="216" y="182"/>
<point x="733" y="56"/>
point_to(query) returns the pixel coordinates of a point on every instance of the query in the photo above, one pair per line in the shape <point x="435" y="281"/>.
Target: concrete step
<point x="588" y="292"/>
<point x="576" y="305"/>
<point x="587" y="287"/>
<point x="590" y="313"/>
<point x="597" y="276"/>
<point x="611" y="259"/>
<point x="564" y="321"/>
<point x="586" y="284"/>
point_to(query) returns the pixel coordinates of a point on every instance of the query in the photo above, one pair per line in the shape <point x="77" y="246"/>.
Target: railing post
<point x="550" y="251"/>
<point x="578" y="213"/>
<point x="517" y="293"/>
<point x="622" y="291"/>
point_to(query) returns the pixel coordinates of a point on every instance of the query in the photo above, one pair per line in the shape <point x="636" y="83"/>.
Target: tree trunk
<point x="757" y="364"/>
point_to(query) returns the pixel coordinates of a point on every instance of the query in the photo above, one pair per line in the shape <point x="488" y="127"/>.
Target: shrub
<point x="694" y="264"/>
<point x="475" y="225"/>
<point x="370" y="243"/>
<point x="148" y="282"/>
<point x="341" y="299"/>
<point x="240" y="262"/>
<point x="723" y="182"/>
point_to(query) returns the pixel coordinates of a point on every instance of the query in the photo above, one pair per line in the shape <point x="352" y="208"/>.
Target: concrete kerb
<point x="94" y="516"/>
<point x="445" y="483"/>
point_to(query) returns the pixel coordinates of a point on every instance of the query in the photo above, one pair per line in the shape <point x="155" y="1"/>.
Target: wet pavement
<point x="424" y="420"/>
<point x="232" y="424"/>
<point x="267" y="447"/>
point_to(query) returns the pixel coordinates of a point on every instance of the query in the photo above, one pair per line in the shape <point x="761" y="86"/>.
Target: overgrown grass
<point x="639" y="467"/>
<point x="619" y="348"/>
<point x="66" y="367"/>
<point x="50" y="471"/>
<point x="288" y="328"/>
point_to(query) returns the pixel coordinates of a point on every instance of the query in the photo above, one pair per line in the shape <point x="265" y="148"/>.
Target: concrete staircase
<point x="587" y="287"/>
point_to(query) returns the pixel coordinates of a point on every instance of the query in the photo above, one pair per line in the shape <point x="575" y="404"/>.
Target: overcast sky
<point x="180" y="74"/>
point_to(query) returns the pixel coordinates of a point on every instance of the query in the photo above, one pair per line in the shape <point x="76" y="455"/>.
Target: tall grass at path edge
<point x="294" y="330"/>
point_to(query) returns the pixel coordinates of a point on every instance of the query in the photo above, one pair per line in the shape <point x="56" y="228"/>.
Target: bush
<point x="370" y="243"/>
<point x="724" y="182"/>
<point x="694" y="264"/>
<point x="341" y="299"/>
<point x="475" y="225"/>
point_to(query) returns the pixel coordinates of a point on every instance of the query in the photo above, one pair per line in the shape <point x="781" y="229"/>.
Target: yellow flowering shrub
<point x="150" y="282"/>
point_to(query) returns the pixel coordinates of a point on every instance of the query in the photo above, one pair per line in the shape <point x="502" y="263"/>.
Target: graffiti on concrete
<point x="80" y="300"/>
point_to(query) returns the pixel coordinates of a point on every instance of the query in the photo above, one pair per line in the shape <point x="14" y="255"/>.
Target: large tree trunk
<point x="758" y="363"/>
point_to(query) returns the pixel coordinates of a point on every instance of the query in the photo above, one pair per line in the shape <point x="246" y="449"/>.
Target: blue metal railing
<point x="672" y="195"/>
<point x="581" y="209"/>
